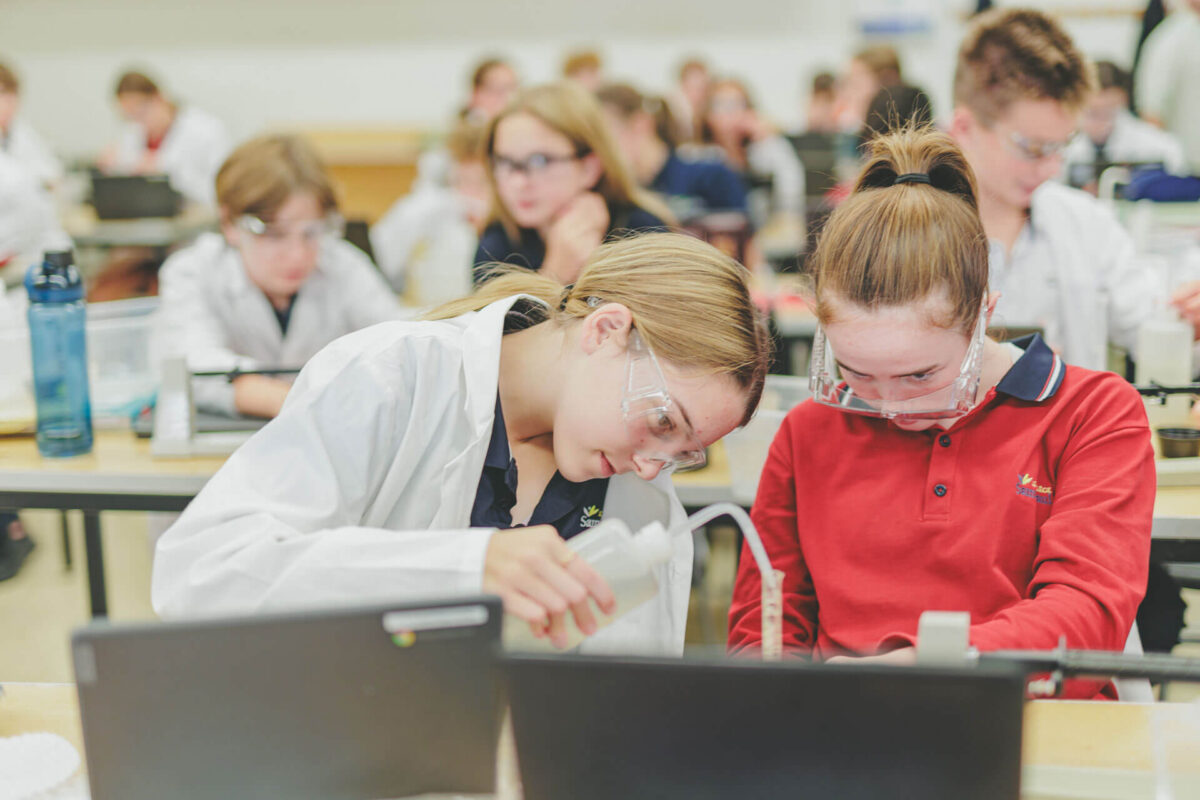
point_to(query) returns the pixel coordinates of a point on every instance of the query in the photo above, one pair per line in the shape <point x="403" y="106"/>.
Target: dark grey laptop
<point x="365" y="703"/>
<point x="134" y="196"/>
<point x="595" y="729"/>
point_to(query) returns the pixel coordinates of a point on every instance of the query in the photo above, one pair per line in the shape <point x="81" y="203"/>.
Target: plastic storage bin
<point x="746" y="448"/>
<point x="119" y="366"/>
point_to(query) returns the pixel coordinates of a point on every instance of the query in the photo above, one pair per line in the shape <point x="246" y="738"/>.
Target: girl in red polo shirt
<point x="935" y="468"/>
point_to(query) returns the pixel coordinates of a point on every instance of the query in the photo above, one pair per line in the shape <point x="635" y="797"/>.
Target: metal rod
<point x="233" y="374"/>
<point x="1101" y="664"/>
<point x="95" y="563"/>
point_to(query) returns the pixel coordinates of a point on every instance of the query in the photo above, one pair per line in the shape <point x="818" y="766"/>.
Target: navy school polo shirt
<point x="570" y="507"/>
<point x="711" y="182"/>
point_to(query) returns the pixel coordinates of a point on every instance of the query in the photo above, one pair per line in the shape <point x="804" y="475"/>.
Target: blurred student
<point x="28" y="223"/>
<point x="687" y="100"/>
<point x="1167" y="93"/>
<point x="28" y="227"/>
<point x="754" y="148"/>
<point x="584" y="67"/>
<point x="1109" y="133"/>
<point x="493" y="84"/>
<point x="645" y="131"/>
<point x="163" y="137"/>
<point x="1059" y="259"/>
<point x="425" y="243"/>
<point x="18" y="138"/>
<point x="559" y="185"/>
<point x="274" y="287"/>
<point x="820" y="116"/>
<point x="871" y="69"/>
<point x="894" y="108"/>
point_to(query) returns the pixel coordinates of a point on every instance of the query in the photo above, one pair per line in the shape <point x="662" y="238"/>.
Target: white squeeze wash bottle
<point x="624" y="559"/>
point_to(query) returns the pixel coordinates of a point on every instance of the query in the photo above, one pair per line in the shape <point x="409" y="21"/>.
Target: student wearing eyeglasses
<point x="935" y="468"/>
<point x="1059" y="259"/>
<point x="457" y="454"/>
<point x="559" y="186"/>
<point x="276" y="285"/>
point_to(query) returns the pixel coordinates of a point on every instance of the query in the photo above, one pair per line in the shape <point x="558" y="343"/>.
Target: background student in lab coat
<point x="185" y="143"/>
<point x="1059" y="258"/>
<point x="274" y="287"/>
<point x="559" y="185"/>
<point x="410" y="455"/>
<point x="1110" y="133"/>
<point x="426" y="241"/>
<point x="19" y="139"/>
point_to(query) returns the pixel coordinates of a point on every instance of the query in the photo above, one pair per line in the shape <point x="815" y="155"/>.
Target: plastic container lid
<point x="653" y="544"/>
<point x="55" y="279"/>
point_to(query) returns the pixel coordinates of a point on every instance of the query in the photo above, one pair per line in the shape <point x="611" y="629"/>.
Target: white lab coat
<point x="1166" y="79"/>
<point x="28" y="223"/>
<point x="25" y="145"/>
<point x="212" y="315"/>
<point x="425" y="246"/>
<point x="194" y="148"/>
<point x="1131" y="140"/>
<point x="1073" y="272"/>
<point x="361" y="491"/>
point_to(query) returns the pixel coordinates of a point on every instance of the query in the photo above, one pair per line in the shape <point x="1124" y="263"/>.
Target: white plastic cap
<point x="653" y="544"/>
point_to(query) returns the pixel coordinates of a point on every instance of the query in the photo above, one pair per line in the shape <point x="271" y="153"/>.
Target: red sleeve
<point x="1094" y="549"/>
<point x="774" y="516"/>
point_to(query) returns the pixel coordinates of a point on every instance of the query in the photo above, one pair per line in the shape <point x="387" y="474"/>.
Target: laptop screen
<point x="599" y="728"/>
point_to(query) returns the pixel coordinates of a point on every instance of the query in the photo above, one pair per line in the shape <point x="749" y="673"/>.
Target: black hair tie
<point x="566" y="295"/>
<point x="912" y="177"/>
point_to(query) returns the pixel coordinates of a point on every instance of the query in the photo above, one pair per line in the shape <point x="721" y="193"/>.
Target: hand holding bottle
<point x="540" y="580"/>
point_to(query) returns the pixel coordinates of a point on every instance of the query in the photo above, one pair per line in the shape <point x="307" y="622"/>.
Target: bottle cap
<point x="55" y="279"/>
<point x="653" y="544"/>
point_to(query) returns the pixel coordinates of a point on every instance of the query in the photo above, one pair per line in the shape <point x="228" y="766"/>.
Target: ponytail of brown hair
<point x="892" y="244"/>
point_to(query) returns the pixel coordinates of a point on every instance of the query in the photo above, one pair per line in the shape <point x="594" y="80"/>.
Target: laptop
<point x="382" y="702"/>
<point x="595" y="729"/>
<point x="134" y="196"/>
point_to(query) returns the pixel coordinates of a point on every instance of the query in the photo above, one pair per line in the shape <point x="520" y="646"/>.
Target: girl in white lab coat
<point x="452" y="455"/>
<point x="274" y="287"/>
<point x="19" y="139"/>
<point x="161" y="137"/>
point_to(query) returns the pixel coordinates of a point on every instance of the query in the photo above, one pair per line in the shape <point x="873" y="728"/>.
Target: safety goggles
<point x="831" y="388"/>
<point x="656" y="424"/>
<point x="276" y="234"/>
<point x="532" y="166"/>
<point x="1034" y="149"/>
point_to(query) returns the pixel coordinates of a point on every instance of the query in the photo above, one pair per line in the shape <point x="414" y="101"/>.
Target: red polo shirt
<point x="1033" y="513"/>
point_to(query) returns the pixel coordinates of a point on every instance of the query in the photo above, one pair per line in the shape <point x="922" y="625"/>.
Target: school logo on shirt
<point x="1028" y="487"/>
<point x="590" y="517"/>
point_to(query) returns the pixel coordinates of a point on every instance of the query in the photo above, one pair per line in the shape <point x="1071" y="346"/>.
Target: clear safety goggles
<point x="831" y="388"/>
<point x="309" y="232"/>
<point x="1036" y="150"/>
<point x="659" y="430"/>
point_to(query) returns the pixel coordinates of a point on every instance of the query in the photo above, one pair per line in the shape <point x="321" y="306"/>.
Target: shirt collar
<point x="1036" y="375"/>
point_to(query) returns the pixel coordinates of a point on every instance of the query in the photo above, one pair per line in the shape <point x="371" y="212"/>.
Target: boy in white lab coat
<point x="1166" y="79"/>
<point x="1109" y="133"/>
<point x="274" y="287"/>
<point x="161" y="137"/>
<point x="17" y="136"/>
<point x="1059" y="259"/>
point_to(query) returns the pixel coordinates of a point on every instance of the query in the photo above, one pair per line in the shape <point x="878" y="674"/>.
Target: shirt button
<point x="940" y="490"/>
<point x="944" y="440"/>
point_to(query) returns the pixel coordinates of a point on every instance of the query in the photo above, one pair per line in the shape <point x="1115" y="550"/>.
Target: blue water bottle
<point x="58" y="335"/>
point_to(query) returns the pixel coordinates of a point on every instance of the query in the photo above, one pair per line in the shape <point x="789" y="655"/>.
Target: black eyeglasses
<point x="533" y="166"/>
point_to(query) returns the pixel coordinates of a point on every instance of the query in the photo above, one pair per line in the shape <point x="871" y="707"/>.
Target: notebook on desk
<point x="594" y="729"/>
<point x="134" y="196"/>
<point x="380" y="702"/>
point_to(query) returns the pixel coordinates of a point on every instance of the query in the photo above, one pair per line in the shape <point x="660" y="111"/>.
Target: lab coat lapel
<point x="480" y="379"/>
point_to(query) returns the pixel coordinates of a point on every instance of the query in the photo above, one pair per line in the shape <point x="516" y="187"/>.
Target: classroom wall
<point x="268" y="64"/>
